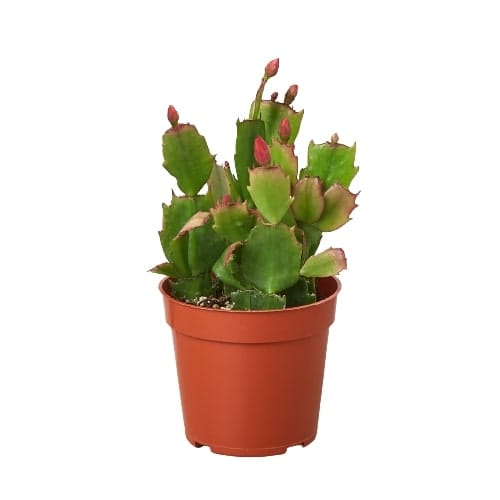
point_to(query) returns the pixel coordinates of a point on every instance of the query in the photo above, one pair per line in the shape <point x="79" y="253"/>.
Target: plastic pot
<point x="250" y="381"/>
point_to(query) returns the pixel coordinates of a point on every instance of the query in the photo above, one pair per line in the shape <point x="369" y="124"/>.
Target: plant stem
<point x="258" y="99"/>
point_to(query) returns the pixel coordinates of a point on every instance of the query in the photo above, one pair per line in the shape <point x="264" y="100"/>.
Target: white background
<point x="89" y="404"/>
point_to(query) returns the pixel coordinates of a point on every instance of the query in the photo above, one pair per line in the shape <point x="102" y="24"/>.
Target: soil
<point x="223" y="302"/>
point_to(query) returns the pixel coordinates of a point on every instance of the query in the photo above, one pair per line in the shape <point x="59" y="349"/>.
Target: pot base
<point x="250" y="452"/>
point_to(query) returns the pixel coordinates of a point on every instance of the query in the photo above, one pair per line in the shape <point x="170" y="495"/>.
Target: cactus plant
<point x="251" y="239"/>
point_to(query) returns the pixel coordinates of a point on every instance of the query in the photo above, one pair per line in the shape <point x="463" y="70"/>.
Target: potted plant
<point x="248" y="298"/>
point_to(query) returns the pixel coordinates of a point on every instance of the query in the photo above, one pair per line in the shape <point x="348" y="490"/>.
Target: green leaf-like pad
<point x="289" y="219"/>
<point x="227" y="266"/>
<point x="197" y="220"/>
<point x="327" y="263"/>
<point x="299" y="294"/>
<point x="175" y="215"/>
<point x="177" y="253"/>
<point x="339" y="203"/>
<point x="205" y="247"/>
<point x="167" y="269"/>
<point x="199" y="244"/>
<point x="310" y="240"/>
<point x="273" y="112"/>
<point x="222" y="182"/>
<point x="253" y="300"/>
<point x="246" y="132"/>
<point x="270" y="190"/>
<point x="271" y="257"/>
<point x="331" y="162"/>
<point x="308" y="202"/>
<point x="233" y="222"/>
<point x="187" y="158"/>
<point x="282" y="155"/>
<point x="192" y="288"/>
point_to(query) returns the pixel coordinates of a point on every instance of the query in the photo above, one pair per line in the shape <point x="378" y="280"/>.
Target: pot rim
<point x="318" y="303"/>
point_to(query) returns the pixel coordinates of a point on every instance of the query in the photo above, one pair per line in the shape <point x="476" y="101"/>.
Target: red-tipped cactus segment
<point x="173" y="116"/>
<point x="291" y="94"/>
<point x="282" y="155"/>
<point x="270" y="190"/>
<point x="197" y="220"/>
<point x="339" y="203"/>
<point x="261" y="152"/>
<point x="284" y="130"/>
<point x="327" y="263"/>
<point x="272" y="68"/>
<point x="233" y="221"/>
<point x="274" y="96"/>
<point x="332" y="162"/>
<point x="308" y="201"/>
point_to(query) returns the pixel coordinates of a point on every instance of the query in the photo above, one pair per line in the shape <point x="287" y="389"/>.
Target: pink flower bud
<point x="274" y="96"/>
<point x="291" y="94"/>
<point x="272" y="68"/>
<point x="335" y="138"/>
<point x="173" y="116"/>
<point x="284" y="130"/>
<point x="261" y="151"/>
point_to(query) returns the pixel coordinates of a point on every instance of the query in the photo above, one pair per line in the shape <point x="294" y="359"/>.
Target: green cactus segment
<point x="197" y="220"/>
<point x="272" y="113"/>
<point x="339" y="203"/>
<point x="181" y="209"/>
<point x="218" y="184"/>
<point x="187" y="158"/>
<point x="310" y="240"/>
<point x="327" y="263"/>
<point x="246" y="132"/>
<point x="271" y="258"/>
<point x="178" y="254"/>
<point x="270" y="191"/>
<point x="205" y="246"/>
<point x="283" y="156"/>
<point x="299" y="294"/>
<point x="193" y="288"/>
<point x="308" y="202"/>
<point x="233" y="184"/>
<point x="196" y="246"/>
<point x="167" y="269"/>
<point x="175" y="216"/>
<point x="254" y="300"/>
<point x="233" y="222"/>
<point x="227" y="267"/>
<point x="331" y="162"/>
<point x="289" y="219"/>
<point x="221" y="182"/>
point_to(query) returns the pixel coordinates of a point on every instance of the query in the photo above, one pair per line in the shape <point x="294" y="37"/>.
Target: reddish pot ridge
<point x="250" y="381"/>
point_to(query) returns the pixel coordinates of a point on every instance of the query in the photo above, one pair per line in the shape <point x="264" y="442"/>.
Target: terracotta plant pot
<point x="250" y="381"/>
